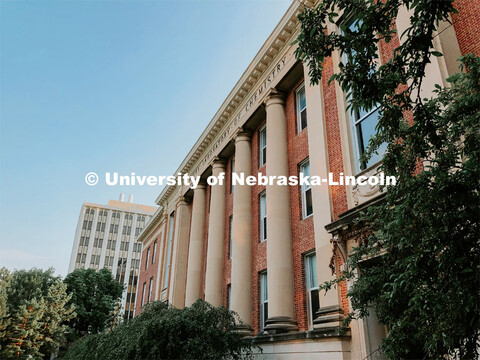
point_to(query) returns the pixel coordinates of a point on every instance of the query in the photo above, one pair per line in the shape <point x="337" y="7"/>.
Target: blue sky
<point x="106" y="86"/>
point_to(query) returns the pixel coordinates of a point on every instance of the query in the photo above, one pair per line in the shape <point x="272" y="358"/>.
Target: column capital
<point x="182" y="201"/>
<point x="274" y="96"/>
<point x="242" y="135"/>
<point x="218" y="163"/>
<point x="202" y="185"/>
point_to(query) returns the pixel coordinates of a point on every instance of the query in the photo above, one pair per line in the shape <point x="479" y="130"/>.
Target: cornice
<point x="151" y="225"/>
<point x="279" y="39"/>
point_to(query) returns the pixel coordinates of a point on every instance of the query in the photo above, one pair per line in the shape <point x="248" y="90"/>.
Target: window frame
<point x="304" y="188"/>
<point x="150" y="290"/>
<point x="263" y="216"/>
<point x="230" y="236"/>
<point x="298" y="110"/>
<point x="309" y="288"/>
<point x="154" y="251"/>
<point x="148" y="257"/>
<point x="262" y="158"/>
<point x="143" y="293"/>
<point x="355" y="120"/>
<point x="263" y="298"/>
<point x="232" y="170"/>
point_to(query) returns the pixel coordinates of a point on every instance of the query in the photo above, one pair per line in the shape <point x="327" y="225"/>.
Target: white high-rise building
<point x="106" y="236"/>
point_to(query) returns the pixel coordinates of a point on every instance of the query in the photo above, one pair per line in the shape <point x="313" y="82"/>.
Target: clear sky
<point x="107" y="86"/>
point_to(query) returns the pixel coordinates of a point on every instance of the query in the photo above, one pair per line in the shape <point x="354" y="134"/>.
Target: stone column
<point x="195" y="252"/>
<point x="178" y="268"/>
<point x="216" y="234"/>
<point x="330" y="312"/>
<point x="281" y="306"/>
<point x="241" y="296"/>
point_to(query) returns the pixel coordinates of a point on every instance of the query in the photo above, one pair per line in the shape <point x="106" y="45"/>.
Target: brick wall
<point x="152" y="270"/>
<point x="467" y="26"/>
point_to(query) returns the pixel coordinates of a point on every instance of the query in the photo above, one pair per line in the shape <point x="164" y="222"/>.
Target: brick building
<point x="263" y="250"/>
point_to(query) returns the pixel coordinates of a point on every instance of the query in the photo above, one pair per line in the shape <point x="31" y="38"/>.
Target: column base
<point x="280" y="324"/>
<point x="329" y="316"/>
<point x="243" y="330"/>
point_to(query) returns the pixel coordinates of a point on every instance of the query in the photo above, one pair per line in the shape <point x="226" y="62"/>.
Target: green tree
<point x="5" y="279"/>
<point x="424" y="281"/>
<point x="164" y="332"/>
<point x="36" y="302"/>
<point x="94" y="294"/>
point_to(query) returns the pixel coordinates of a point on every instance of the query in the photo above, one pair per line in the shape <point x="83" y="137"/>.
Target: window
<point x="301" y="108"/>
<point x="263" y="146"/>
<point x="263" y="300"/>
<point x="307" y="206"/>
<point x="363" y="122"/>
<point x="154" y="251"/>
<point x="311" y="284"/>
<point x="148" y="257"/>
<point x="150" y="289"/>
<point x="169" y="248"/>
<point x="232" y="167"/>
<point x="230" y="236"/>
<point x="143" y="293"/>
<point x="229" y="296"/>
<point x="263" y="216"/>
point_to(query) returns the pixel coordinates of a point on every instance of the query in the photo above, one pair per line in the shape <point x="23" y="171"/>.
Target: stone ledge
<point x="327" y="332"/>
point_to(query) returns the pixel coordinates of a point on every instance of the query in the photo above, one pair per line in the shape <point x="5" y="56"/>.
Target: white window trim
<point x="304" y="189"/>
<point x="263" y="194"/>
<point x="263" y="298"/>
<point x="261" y="160"/>
<point x="299" y="118"/>
<point x="357" y="149"/>
<point x="154" y="251"/>
<point x="308" y="289"/>
<point x="143" y="293"/>
<point x="150" y="290"/>
<point x="230" y="236"/>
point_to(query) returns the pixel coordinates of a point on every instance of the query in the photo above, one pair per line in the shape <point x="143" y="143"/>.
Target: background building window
<point x="307" y="206"/>
<point x="263" y="300"/>
<point x="166" y="273"/>
<point x="263" y="146"/>
<point x="311" y="284"/>
<point x="263" y="216"/>
<point x="301" y="108"/>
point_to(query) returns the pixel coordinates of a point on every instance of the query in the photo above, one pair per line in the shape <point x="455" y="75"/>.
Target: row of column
<point x="281" y="306"/>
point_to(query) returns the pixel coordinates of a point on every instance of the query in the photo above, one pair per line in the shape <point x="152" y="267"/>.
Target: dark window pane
<point x="265" y="312"/>
<point x="303" y="115"/>
<point x="315" y="302"/>
<point x="309" y="205"/>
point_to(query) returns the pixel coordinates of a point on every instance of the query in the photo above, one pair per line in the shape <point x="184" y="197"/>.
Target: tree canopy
<point x="423" y="276"/>
<point x="94" y="295"/>
<point x="164" y="332"/>
<point x="33" y="311"/>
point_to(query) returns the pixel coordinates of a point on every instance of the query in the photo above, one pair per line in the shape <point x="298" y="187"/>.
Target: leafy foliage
<point x="36" y="308"/>
<point x="94" y="294"/>
<point x="423" y="274"/>
<point x="163" y="332"/>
